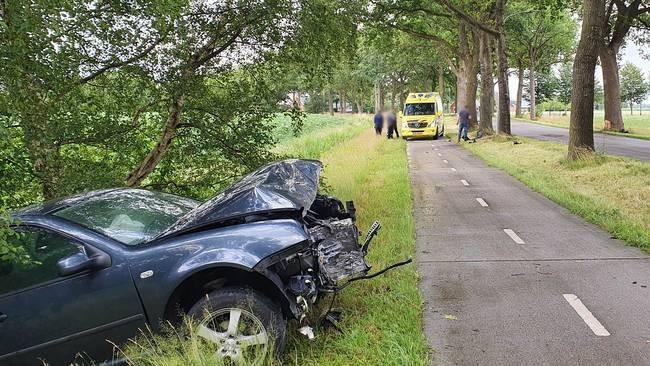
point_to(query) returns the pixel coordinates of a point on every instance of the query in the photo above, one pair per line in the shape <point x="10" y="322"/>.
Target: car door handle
<point x="3" y="317"/>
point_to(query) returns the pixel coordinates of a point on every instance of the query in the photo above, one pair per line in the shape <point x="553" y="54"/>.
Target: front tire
<point x="437" y="134"/>
<point x="241" y="322"/>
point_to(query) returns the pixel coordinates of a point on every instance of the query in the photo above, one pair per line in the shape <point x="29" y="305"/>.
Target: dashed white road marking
<point x="439" y="154"/>
<point x="464" y="182"/>
<point x="436" y="149"/>
<point x="481" y="202"/>
<point x="446" y="161"/>
<point x="514" y="236"/>
<point x="453" y="169"/>
<point x="586" y="315"/>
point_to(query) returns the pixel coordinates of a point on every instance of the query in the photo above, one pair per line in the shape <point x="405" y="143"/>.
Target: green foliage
<point x="10" y="253"/>
<point x="564" y="83"/>
<point x="634" y="87"/>
<point x="90" y="90"/>
<point x="546" y="87"/>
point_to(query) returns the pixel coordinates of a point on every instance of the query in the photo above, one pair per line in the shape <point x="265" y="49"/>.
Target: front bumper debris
<point x="341" y="258"/>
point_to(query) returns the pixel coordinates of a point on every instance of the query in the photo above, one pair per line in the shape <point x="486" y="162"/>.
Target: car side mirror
<point x="80" y="262"/>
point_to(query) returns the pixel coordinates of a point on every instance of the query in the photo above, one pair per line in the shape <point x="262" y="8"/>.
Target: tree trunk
<point x="393" y="96"/>
<point x="441" y="86"/>
<point x="359" y="107"/>
<point x="611" y="88"/>
<point x="487" y="86"/>
<point x="155" y="156"/>
<point x="469" y="65"/>
<point x="330" y="102"/>
<point x="532" y="79"/>
<point x="503" y="120"/>
<point x="378" y="98"/>
<point x="581" y="128"/>
<point x="631" y="109"/>
<point x="520" y="91"/>
<point x="342" y="102"/>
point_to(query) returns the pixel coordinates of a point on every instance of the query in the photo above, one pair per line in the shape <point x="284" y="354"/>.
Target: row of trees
<point x="479" y="43"/>
<point x="180" y="95"/>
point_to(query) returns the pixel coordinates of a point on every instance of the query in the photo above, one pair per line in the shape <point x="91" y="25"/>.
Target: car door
<point x="44" y="316"/>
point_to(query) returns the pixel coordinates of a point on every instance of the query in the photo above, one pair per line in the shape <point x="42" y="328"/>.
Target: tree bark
<point x="393" y="96"/>
<point x="468" y="69"/>
<point x="503" y="120"/>
<point x="532" y="79"/>
<point x="330" y="102"/>
<point x="520" y="91"/>
<point x="441" y="82"/>
<point x="581" y="128"/>
<point x="487" y="85"/>
<point x="611" y="88"/>
<point x="155" y="156"/>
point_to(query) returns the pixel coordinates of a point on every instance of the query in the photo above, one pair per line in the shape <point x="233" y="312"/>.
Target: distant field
<point x="637" y="125"/>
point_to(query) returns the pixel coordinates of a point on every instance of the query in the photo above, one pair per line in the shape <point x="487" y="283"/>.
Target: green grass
<point x="382" y="317"/>
<point x="320" y="134"/>
<point x="611" y="192"/>
<point x="638" y="126"/>
<point x="382" y="321"/>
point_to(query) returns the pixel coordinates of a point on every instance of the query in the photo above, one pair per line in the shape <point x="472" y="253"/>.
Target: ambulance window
<point x="420" y="109"/>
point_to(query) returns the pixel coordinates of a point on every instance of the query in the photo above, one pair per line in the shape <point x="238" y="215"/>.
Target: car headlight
<point x="435" y="122"/>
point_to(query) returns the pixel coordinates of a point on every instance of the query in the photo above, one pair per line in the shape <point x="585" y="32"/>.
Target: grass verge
<point x="611" y="192"/>
<point x="382" y="321"/>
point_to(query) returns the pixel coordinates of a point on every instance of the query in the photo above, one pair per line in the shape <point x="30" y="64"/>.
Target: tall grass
<point x="320" y="134"/>
<point x="381" y="317"/>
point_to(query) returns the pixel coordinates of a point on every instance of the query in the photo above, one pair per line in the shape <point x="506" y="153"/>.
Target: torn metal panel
<point x="339" y="254"/>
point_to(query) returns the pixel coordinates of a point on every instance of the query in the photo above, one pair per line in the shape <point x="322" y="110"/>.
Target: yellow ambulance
<point x="422" y="116"/>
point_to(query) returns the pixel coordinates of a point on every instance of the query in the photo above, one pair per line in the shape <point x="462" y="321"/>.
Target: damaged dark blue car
<point x="107" y="263"/>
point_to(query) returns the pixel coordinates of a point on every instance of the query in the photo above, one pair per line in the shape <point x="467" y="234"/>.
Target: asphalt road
<point x="609" y="144"/>
<point x="499" y="297"/>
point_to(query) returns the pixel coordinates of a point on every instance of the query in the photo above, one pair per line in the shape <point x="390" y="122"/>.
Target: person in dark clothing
<point x="463" y="124"/>
<point x="379" y="123"/>
<point x="392" y="125"/>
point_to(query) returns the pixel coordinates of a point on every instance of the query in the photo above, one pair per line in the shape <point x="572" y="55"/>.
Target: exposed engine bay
<point x="334" y="258"/>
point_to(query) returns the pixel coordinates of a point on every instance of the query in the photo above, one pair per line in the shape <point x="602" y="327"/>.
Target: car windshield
<point x="420" y="109"/>
<point x="130" y="216"/>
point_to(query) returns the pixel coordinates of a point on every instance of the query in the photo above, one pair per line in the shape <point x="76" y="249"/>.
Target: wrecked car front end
<point x="330" y="257"/>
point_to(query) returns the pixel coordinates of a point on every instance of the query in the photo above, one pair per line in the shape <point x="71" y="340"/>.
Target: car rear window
<point x="130" y="216"/>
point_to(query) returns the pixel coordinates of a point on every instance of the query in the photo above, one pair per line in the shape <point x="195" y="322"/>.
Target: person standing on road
<point x="392" y="125"/>
<point x="379" y="122"/>
<point x="463" y="124"/>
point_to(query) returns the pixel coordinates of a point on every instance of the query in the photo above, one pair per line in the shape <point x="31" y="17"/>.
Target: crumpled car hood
<point x="286" y="185"/>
